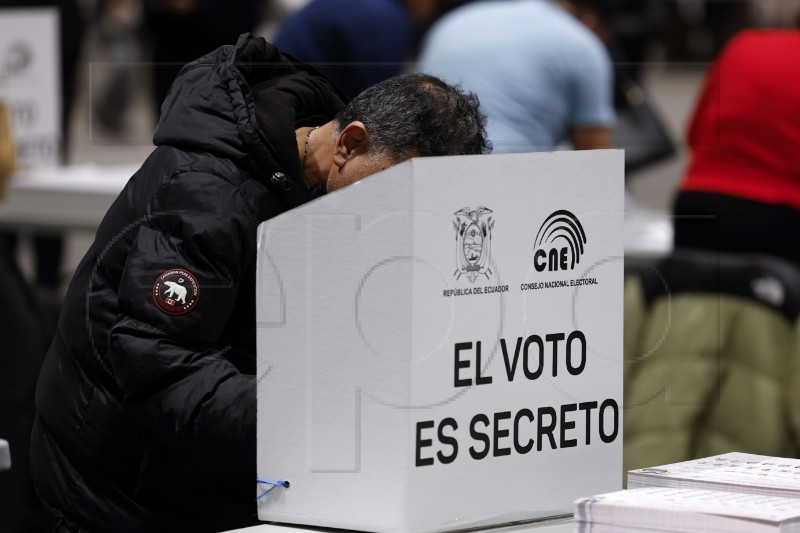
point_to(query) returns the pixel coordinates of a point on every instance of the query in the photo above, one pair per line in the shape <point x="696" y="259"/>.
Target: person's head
<point x="412" y="115"/>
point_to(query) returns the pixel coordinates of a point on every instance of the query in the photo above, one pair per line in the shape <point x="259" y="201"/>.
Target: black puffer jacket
<point x="147" y="399"/>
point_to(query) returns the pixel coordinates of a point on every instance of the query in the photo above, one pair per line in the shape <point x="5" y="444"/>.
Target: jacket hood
<point x="244" y="102"/>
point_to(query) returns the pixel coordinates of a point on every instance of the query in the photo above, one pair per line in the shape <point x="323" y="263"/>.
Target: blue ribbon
<point x="275" y="484"/>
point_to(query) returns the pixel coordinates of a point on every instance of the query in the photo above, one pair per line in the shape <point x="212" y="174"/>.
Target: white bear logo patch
<point x="176" y="291"/>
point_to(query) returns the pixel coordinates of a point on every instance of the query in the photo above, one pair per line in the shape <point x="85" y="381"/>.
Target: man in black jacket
<point x="146" y="403"/>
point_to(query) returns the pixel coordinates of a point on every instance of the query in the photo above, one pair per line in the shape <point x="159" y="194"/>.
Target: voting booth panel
<point x="440" y="345"/>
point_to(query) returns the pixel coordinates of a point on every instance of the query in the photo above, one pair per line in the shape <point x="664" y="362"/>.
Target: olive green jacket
<point x="711" y="360"/>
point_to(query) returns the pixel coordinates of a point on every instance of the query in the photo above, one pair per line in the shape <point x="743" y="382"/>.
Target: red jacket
<point x="745" y="132"/>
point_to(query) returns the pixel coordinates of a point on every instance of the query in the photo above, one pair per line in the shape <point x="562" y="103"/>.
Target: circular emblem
<point x="176" y="291"/>
<point x="473" y="243"/>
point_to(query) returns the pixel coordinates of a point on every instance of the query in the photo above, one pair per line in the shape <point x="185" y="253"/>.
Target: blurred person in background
<point x="745" y="150"/>
<point x="356" y="43"/>
<point x="183" y="30"/>
<point x="634" y="26"/>
<point x="540" y="70"/>
<point x="7" y="149"/>
<point x="28" y="312"/>
<point x="725" y="18"/>
<point x="27" y="322"/>
<point x="119" y="33"/>
<point x="697" y="31"/>
<point x="146" y="402"/>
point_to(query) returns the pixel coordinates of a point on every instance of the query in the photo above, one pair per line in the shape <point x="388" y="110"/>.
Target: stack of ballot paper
<point x="686" y="511"/>
<point x="725" y="493"/>
<point x="735" y="472"/>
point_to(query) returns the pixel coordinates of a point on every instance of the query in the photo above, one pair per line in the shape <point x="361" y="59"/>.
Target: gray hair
<point x="418" y="115"/>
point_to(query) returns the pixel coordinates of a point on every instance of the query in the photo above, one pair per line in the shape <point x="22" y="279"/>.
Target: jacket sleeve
<point x="172" y="369"/>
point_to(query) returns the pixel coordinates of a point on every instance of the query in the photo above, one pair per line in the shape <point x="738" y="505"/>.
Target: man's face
<point x="358" y="166"/>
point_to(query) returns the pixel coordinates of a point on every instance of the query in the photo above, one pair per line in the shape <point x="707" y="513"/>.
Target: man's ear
<point x="353" y="139"/>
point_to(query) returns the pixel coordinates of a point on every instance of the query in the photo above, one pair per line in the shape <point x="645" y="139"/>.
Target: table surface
<point x="63" y="198"/>
<point x="559" y="525"/>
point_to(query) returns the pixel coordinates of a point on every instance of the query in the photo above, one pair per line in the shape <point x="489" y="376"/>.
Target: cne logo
<point x="176" y="291"/>
<point x="473" y="242"/>
<point x="559" y="243"/>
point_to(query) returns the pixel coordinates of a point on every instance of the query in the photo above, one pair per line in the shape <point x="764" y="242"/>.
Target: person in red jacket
<point x="741" y="192"/>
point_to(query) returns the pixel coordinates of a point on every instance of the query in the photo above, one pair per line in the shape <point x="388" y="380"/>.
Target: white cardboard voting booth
<point x="440" y="345"/>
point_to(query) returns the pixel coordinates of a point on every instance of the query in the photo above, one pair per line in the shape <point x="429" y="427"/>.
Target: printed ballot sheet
<point x="741" y="472"/>
<point x="688" y="511"/>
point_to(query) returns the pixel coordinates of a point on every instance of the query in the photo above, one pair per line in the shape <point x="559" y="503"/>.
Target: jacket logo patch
<point x="176" y="291"/>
